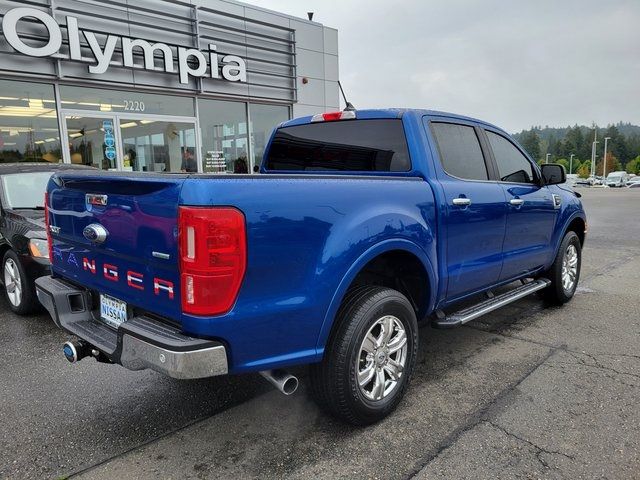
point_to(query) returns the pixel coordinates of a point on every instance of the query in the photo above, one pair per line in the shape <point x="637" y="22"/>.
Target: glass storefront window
<point x="224" y="136"/>
<point x="154" y="146"/>
<point x="101" y="100"/>
<point x="264" y="118"/>
<point x="92" y="141"/>
<point x="28" y="123"/>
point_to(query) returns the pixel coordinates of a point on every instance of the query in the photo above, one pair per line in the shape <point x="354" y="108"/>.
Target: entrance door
<point x="150" y="145"/>
<point x="125" y="142"/>
<point x="92" y="141"/>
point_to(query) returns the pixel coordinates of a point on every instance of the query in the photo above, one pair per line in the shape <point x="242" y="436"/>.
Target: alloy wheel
<point x="569" y="268"/>
<point x="13" y="282"/>
<point x="382" y="358"/>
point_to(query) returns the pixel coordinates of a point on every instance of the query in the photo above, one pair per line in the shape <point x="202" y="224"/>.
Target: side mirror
<point x="553" y="174"/>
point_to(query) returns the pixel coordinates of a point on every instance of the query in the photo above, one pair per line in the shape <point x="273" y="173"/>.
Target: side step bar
<point x="470" y="313"/>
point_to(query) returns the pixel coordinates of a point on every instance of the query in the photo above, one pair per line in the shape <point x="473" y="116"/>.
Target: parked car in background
<point x="584" y="182"/>
<point x="23" y="239"/>
<point x="635" y="184"/>
<point x="617" y="179"/>
<point x="572" y="178"/>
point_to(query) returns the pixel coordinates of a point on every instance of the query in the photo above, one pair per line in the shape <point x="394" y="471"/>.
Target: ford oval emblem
<point x="95" y="233"/>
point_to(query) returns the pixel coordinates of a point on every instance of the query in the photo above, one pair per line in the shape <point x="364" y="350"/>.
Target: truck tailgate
<point x="138" y="260"/>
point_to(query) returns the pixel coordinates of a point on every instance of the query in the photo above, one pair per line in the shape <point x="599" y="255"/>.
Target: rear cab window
<point x="367" y="145"/>
<point x="460" y="152"/>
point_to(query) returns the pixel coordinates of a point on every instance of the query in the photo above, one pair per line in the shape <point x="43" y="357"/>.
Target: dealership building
<point x="156" y="85"/>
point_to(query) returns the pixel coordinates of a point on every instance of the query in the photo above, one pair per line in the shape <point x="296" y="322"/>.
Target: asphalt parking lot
<point x="527" y="392"/>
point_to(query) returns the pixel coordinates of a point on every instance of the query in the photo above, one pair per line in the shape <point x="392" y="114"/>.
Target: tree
<point x="633" y="166"/>
<point x="531" y="143"/>
<point x="613" y="164"/>
<point x="573" y="141"/>
<point x="633" y="145"/>
<point x="575" y="165"/>
<point x="617" y="144"/>
<point x="624" y="142"/>
<point x="553" y="145"/>
<point x="585" y="170"/>
<point x="564" y="162"/>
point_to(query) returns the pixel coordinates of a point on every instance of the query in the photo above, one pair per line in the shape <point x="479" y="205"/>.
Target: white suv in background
<point x="617" y="179"/>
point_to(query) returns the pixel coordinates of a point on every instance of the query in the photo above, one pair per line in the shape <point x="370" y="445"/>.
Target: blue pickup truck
<point x="360" y="225"/>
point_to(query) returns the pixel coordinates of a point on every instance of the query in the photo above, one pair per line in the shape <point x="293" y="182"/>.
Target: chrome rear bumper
<point x="139" y="343"/>
<point x="206" y="362"/>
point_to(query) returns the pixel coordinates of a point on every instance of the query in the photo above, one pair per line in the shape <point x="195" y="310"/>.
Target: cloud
<point x="513" y="63"/>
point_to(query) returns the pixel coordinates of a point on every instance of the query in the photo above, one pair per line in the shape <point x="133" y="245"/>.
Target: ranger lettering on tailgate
<point x="111" y="272"/>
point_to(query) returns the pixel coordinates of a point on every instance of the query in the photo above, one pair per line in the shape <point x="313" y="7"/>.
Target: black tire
<point x="334" y="383"/>
<point x="556" y="293"/>
<point x="28" y="302"/>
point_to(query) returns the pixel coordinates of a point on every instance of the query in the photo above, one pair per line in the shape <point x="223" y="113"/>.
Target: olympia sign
<point x="191" y="62"/>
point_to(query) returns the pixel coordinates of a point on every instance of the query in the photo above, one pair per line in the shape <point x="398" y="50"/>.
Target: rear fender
<point x="357" y="266"/>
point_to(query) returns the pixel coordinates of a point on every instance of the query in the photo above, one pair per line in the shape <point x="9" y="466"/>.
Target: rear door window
<point x="513" y="166"/>
<point x="376" y="145"/>
<point x="460" y="151"/>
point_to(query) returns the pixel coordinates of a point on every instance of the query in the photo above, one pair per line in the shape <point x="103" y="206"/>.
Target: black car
<point x="23" y="239"/>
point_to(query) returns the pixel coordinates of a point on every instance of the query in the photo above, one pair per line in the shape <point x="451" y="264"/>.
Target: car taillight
<point x="46" y="225"/>
<point x="213" y="258"/>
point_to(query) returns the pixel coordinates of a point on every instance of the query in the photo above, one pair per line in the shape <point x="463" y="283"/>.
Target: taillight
<point x="213" y="258"/>
<point x="46" y="225"/>
<point x="334" y="116"/>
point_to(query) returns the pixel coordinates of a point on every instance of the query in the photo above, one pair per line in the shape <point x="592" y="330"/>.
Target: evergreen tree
<point x="562" y="142"/>
<point x="531" y="143"/>
<point x="617" y="144"/>
<point x="553" y="145"/>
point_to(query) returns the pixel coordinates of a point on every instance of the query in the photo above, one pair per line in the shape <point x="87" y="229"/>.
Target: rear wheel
<point x="20" y="294"/>
<point x="565" y="271"/>
<point x="369" y="358"/>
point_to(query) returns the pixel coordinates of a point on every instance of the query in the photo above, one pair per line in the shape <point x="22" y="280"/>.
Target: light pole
<point x="571" y="163"/>
<point x="593" y="160"/>
<point x="604" y="162"/>
<point x="547" y="160"/>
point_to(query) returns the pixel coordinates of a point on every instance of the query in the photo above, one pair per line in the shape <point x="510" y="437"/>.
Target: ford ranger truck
<point x="360" y="224"/>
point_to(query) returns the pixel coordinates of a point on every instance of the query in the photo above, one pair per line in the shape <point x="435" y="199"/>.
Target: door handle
<point x="462" y="202"/>
<point x="516" y="202"/>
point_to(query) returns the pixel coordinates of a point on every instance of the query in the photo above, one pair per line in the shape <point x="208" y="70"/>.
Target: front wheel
<point x="565" y="270"/>
<point x="369" y="358"/>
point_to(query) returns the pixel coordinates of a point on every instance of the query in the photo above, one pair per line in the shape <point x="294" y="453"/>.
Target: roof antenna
<point x="348" y="106"/>
<point x="310" y="15"/>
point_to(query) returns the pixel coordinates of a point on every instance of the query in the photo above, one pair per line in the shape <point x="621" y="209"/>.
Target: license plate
<point x="113" y="312"/>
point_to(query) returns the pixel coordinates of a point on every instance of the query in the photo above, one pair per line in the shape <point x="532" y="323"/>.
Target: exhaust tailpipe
<point x="75" y="350"/>
<point x="283" y="381"/>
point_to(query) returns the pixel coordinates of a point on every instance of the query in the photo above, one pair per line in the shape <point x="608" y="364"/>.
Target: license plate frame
<point x="113" y="311"/>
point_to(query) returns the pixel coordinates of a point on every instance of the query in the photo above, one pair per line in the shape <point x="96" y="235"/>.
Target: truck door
<point x="531" y="210"/>
<point x="474" y="212"/>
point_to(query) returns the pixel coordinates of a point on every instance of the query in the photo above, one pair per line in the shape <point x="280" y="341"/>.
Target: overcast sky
<point x="513" y="63"/>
